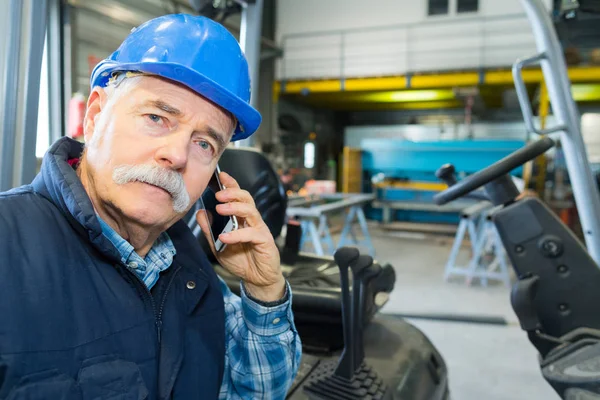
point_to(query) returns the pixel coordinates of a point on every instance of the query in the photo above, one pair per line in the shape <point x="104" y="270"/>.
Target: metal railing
<point x="457" y="44"/>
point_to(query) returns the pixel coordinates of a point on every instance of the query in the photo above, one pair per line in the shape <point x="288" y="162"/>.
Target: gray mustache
<point x="164" y="178"/>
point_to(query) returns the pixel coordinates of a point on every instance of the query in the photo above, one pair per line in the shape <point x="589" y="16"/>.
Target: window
<point x="438" y="7"/>
<point x="465" y="6"/>
<point x="309" y="155"/>
<point x="43" y="126"/>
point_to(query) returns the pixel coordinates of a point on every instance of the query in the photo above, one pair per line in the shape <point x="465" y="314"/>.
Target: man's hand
<point x="251" y="253"/>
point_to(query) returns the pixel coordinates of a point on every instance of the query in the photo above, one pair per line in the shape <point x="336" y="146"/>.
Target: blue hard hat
<point x="194" y="51"/>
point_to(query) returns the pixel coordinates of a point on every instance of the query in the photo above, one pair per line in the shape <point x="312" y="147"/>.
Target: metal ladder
<point x="550" y="57"/>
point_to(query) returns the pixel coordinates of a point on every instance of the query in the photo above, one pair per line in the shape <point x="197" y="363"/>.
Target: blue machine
<point x="404" y="171"/>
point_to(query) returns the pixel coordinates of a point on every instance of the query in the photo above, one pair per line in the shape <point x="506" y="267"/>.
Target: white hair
<point x="117" y="87"/>
<point x="121" y="84"/>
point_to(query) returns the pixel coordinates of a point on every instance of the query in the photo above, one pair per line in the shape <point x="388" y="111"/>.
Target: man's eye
<point x="155" y="118"/>
<point x="204" y="145"/>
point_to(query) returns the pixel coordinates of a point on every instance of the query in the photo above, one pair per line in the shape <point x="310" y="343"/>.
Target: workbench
<point x="314" y="220"/>
<point x="388" y="206"/>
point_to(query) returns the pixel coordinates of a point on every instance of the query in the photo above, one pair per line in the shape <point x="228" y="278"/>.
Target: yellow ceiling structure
<point x="427" y="91"/>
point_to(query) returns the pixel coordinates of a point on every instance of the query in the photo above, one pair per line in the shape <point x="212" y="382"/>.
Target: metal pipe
<point x="56" y="75"/>
<point x="250" y="34"/>
<point x="36" y="32"/>
<point x="587" y="196"/>
<point x="10" y="72"/>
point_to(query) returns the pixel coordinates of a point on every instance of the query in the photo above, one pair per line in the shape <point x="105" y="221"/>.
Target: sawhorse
<point x="320" y="235"/>
<point x="484" y="238"/>
<point x="356" y="211"/>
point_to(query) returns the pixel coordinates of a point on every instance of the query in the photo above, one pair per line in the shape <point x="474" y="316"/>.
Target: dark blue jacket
<point x="75" y="323"/>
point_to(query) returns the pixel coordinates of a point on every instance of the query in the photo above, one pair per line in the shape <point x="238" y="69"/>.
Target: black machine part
<point x="403" y="357"/>
<point x="360" y="283"/>
<point x="576" y="372"/>
<point x="498" y="184"/>
<point x="351" y="378"/>
<point x="317" y="306"/>
<point x="358" y="267"/>
<point x="447" y="174"/>
<point x="344" y="258"/>
<point x="556" y="298"/>
<point x="558" y="283"/>
<point x="387" y="359"/>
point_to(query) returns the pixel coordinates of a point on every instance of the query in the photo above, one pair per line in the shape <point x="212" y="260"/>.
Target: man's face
<point x="154" y="131"/>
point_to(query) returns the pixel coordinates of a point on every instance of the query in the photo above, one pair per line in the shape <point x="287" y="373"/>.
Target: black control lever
<point x="344" y="257"/>
<point x="522" y="299"/>
<point x="495" y="171"/>
<point x="447" y="174"/>
<point x="358" y="268"/>
<point x="362" y="278"/>
<point x="350" y="378"/>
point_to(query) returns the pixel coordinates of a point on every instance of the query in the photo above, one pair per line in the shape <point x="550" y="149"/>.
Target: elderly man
<point x="104" y="291"/>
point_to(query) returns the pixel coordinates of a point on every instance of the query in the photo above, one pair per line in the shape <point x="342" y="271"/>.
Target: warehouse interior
<point x="371" y="114"/>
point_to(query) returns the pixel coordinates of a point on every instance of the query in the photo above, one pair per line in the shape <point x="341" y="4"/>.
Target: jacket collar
<point x="58" y="182"/>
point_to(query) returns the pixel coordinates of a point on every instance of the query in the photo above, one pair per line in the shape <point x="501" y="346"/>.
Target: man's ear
<point x="95" y="104"/>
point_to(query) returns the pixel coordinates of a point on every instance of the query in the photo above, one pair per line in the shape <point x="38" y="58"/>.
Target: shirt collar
<point x="162" y="244"/>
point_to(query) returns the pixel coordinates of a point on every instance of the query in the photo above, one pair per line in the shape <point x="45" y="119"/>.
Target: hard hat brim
<point x="248" y="118"/>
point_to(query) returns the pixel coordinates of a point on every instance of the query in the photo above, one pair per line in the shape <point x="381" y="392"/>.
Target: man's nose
<point x="173" y="153"/>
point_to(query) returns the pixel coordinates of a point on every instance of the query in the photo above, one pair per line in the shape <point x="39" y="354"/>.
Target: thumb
<point x="203" y="220"/>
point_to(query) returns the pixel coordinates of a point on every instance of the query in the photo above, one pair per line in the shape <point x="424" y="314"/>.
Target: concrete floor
<point x="486" y="362"/>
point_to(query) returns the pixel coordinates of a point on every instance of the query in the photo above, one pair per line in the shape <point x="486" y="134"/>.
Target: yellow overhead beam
<point x="584" y="74"/>
<point x="421" y="105"/>
<point x="330" y="85"/>
<point x="582" y="92"/>
<point x="445" y="80"/>
<point x="505" y="77"/>
<point x="382" y="83"/>
<point x="387" y="96"/>
<point x="426" y="81"/>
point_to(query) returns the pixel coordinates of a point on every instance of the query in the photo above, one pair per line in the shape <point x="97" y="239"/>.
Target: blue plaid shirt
<point x="263" y="348"/>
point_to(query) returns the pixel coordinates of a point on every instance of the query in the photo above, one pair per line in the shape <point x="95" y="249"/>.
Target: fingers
<point x="228" y="181"/>
<point x="237" y="201"/>
<point x="234" y="194"/>
<point x="232" y="191"/>
<point x="245" y="211"/>
<point x="247" y="235"/>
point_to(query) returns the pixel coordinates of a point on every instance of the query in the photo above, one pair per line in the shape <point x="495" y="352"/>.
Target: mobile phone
<point x="218" y="223"/>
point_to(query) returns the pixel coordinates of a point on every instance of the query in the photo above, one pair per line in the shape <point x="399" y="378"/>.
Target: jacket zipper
<point x="164" y="299"/>
<point x="147" y="291"/>
<point x="157" y="315"/>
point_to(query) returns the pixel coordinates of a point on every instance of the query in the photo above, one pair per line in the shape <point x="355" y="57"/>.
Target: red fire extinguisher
<point x="75" y="116"/>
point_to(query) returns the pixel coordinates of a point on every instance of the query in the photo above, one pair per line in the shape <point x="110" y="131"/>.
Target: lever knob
<point x="447" y="174"/>
<point x="345" y="256"/>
